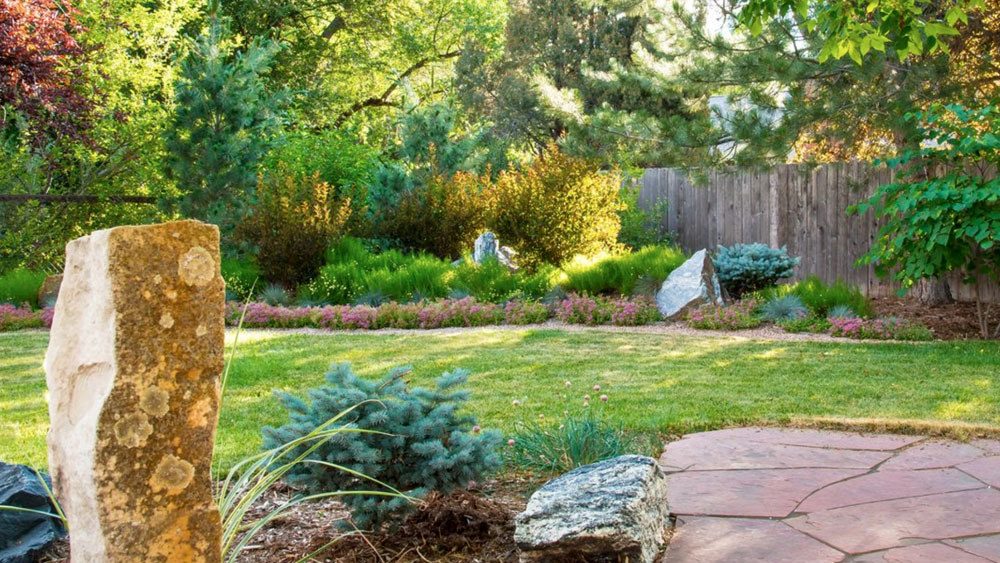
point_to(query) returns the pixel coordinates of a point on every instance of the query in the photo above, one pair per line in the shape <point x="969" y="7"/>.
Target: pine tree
<point x="224" y="119"/>
<point x="572" y="71"/>
<point x="416" y="441"/>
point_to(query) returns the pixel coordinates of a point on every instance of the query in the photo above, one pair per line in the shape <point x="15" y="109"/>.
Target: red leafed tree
<point x="40" y="73"/>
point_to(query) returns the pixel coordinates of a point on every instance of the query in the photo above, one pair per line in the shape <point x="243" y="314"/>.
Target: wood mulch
<point x="473" y="526"/>
<point x="954" y="321"/>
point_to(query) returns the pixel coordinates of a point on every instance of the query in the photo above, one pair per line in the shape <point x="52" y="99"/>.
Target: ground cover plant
<point x="659" y="384"/>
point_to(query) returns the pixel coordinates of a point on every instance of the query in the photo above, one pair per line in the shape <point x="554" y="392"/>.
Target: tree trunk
<point x="934" y="292"/>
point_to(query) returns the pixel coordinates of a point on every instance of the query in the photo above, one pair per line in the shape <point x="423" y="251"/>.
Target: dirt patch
<point x="955" y="321"/>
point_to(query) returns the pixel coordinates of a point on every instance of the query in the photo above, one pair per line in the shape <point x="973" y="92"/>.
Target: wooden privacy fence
<point x="795" y="205"/>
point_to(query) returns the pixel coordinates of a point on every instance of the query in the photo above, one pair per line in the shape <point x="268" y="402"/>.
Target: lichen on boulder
<point x="136" y="348"/>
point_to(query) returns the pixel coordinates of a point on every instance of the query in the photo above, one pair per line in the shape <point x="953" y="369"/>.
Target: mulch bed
<point x="474" y="526"/>
<point x="955" y="321"/>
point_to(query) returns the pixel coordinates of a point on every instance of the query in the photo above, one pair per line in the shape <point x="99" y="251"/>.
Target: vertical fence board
<point x="793" y="205"/>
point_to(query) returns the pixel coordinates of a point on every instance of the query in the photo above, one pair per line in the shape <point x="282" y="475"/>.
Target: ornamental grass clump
<point x="408" y="442"/>
<point x="786" y="308"/>
<point x="558" y="444"/>
<point x="738" y="316"/>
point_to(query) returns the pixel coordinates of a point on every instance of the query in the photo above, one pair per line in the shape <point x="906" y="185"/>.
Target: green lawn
<point x="656" y="383"/>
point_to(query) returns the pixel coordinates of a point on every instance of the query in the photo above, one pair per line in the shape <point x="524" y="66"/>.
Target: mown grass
<point x="656" y="383"/>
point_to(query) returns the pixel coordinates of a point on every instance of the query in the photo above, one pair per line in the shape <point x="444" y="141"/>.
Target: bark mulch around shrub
<point x="466" y="526"/>
<point x="955" y="321"/>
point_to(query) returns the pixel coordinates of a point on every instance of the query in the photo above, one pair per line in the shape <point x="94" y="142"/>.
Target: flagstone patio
<point x="809" y="496"/>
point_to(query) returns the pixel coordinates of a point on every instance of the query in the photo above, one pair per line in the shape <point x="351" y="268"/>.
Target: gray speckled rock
<point x="487" y="245"/>
<point x="691" y="285"/>
<point x="612" y="510"/>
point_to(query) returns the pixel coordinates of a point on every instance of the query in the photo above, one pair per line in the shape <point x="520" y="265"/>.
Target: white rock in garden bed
<point x="691" y="285"/>
<point x="612" y="510"/>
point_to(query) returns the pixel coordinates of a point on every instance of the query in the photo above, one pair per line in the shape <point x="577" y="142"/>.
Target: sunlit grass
<point x="657" y="383"/>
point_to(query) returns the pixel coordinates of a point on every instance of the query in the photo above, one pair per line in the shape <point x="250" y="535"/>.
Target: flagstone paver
<point x="986" y="469"/>
<point x="983" y="546"/>
<point x="775" y="495"/>
<point x="923" y="553"/>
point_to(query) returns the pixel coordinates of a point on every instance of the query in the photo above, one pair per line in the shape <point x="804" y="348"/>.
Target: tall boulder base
<point x="24" y="534"/>
<point x="133" y="369"/>
<point x="612" y="510"/>
<point x="691" y="285"/>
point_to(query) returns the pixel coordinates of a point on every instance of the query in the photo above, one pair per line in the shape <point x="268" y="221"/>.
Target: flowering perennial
<point x="13" y="317"/>
<point x="739" y="315"/>
<point x="883" y="328"/>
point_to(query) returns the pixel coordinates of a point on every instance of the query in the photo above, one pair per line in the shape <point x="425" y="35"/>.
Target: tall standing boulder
<point x="691" y="285"/>
<point x="133" y="369"/>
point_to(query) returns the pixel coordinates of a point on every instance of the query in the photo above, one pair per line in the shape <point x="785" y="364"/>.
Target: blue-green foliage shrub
<point x="745" y="268"/>
<point x="21" y="286"/>
<point x="416" y="441"/>
<point x="242" y="278"/>
<point x="786" y="308"/>
<point x="620" y="273"/>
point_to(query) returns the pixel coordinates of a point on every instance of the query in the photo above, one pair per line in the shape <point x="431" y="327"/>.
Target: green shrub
<point x="621" y="273"/>
<point x="416" y="441"/>
<point x="491" y="282"/>
<point x="642" y="227"/>
<point x="443" y="216"/>
<point x="21" y="286"/>
<point x="822" y="298"/>
<point x="745" y="268"/>
<point x="292" y="224"/>
<point x="242" y="278"/>
<point x="786" y="308"/>
<point x="557" y="208"/>
<point x="353" y="272"/>
<point x="339" y="159"/>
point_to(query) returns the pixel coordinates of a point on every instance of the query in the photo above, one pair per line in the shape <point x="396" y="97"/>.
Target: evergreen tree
<point x="224" y="120"/>
<point x="572" y="72"/>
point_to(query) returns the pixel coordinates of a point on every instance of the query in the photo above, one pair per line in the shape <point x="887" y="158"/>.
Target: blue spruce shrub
<point x="787" y="308"/>
<point x="413" y="440"/>
<point x="744" y="268"/>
